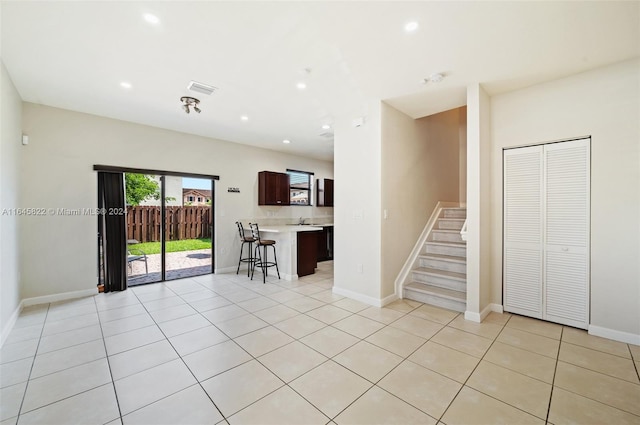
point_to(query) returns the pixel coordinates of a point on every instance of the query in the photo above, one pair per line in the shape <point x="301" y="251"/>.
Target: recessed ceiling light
<point x="244" y="118"/>
<point x="125" y="85"/>
<point x="151" y="18"/>
<point x="411" y="26"/>
<point x="301" y="86"/>
<point x="326" y="127"/>
<point x="286" y="141"/>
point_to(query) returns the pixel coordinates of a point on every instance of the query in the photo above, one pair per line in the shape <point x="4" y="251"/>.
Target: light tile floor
<point x="224" y="349"/>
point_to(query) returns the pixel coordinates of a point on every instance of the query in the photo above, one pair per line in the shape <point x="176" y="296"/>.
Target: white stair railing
<point x="463" y="232"/>
<point x="404" y="276"/>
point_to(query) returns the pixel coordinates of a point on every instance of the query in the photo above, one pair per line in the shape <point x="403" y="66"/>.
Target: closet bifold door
<point x="566" y="253"/>
<point x="523" y="231"/>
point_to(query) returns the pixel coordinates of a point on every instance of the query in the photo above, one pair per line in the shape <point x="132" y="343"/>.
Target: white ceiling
<point x="74" y="55"/>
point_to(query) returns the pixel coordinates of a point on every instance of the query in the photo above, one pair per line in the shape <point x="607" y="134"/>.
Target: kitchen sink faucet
<point x="301" y="221"/>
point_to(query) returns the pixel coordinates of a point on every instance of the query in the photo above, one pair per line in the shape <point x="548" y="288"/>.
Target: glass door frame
<point x="162" y="174"/>
<point x="163" y="219"/>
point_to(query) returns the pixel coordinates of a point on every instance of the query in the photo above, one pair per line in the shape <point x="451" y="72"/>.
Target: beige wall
<point x="57" y="173"/>
<point x="10" y="152"/>
<point x="605" y="104"/>
<point x="420" y="160"/>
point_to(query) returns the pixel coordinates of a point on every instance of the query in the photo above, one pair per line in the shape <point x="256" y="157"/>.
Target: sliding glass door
<point x="166" y="233"/>
<point x="144" y="228"/>
<point x="188" y="227"/>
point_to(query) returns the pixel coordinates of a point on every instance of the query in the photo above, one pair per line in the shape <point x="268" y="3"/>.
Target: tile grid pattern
<point x="224" y="349"/>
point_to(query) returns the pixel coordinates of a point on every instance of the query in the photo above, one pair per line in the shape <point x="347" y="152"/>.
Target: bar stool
<point x="245" y="240"/>
<point x="263" y="263"/>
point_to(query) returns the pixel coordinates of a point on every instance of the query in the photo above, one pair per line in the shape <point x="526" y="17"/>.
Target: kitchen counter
<point x="290" y="229"/>
<point x="286" y="237"/>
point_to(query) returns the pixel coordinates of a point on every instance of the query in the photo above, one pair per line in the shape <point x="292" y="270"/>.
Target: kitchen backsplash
<point x="281" y="221"/>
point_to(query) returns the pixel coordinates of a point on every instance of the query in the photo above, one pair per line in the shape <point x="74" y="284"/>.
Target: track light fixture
<point x="190" y="102"/>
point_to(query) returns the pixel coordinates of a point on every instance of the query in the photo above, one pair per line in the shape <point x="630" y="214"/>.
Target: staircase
<point x="439" y="275"/>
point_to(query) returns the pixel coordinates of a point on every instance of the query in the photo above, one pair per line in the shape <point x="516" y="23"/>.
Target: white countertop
<point x="292" y="229"/>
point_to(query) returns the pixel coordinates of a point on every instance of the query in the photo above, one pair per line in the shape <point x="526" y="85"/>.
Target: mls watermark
<point x="62" y="211"/>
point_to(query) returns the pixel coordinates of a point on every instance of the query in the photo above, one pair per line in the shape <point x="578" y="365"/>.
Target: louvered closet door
<point x="523" y="231"/>
<point x="566" y="254"/>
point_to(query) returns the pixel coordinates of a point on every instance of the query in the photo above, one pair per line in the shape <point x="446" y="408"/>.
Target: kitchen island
<point x="290" y="253"/>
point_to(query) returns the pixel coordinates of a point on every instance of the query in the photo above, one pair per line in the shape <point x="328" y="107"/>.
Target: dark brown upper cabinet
<point x="273" y="188"/>
<point x="324" y="192"/>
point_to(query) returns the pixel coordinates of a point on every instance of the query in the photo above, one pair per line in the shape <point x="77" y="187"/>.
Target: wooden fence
<point x="143" y="223"/>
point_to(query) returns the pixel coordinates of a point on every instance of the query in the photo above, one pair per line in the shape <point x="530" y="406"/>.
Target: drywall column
<point x="462" y="167"/>
<point x="478" y="203"/>
<point x="357" y="215"/>
<point x="10" y="151"/>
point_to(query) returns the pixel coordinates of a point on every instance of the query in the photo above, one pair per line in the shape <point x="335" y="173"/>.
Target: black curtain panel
<point x="113" y="230"/>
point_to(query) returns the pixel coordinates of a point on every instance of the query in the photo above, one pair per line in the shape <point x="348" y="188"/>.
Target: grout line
<point x="183" y="362"/>
<point x="553" y="380"/>
<point x="601" y="351"/>
<point x="285" y="384"/>
<point x="113" y="382"/>
<point x="633" y="361"/>
<point x="464" y="384"/>
<point x="33" y="362"/>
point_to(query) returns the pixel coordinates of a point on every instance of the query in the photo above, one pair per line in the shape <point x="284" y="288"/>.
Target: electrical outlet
<point x="360" y="268"/>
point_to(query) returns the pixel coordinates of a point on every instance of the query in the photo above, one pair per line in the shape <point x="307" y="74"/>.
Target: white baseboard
<point x="472" y="316"/>
<point x="479" y="317"/>
<point x="626" y="337"/>
<point x="388" y="300"/>
<point x="376" y="302"/>
<point x="497" y="308"/>
<point x="45" y="299"/>
<point x="10" y="324"/>
<point x="59" y="297"/>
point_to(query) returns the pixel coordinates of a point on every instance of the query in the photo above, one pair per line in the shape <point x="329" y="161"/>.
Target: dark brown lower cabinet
<point x="308" y="252"/>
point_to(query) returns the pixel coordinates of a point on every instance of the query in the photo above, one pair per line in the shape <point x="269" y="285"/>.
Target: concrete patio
<point x="178" y="265"/>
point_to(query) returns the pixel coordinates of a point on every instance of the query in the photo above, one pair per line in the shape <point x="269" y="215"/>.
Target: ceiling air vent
<point x="201" y="88"/>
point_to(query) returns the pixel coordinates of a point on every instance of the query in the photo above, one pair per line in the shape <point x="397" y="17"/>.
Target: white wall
<point x="57" y="173"/>
<point x="10" y="152"/>
<point x="605" y="104"/>
<point x="357" y="217"/>
<point x="478" y="203"/>
<point x="420" y="160"/>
